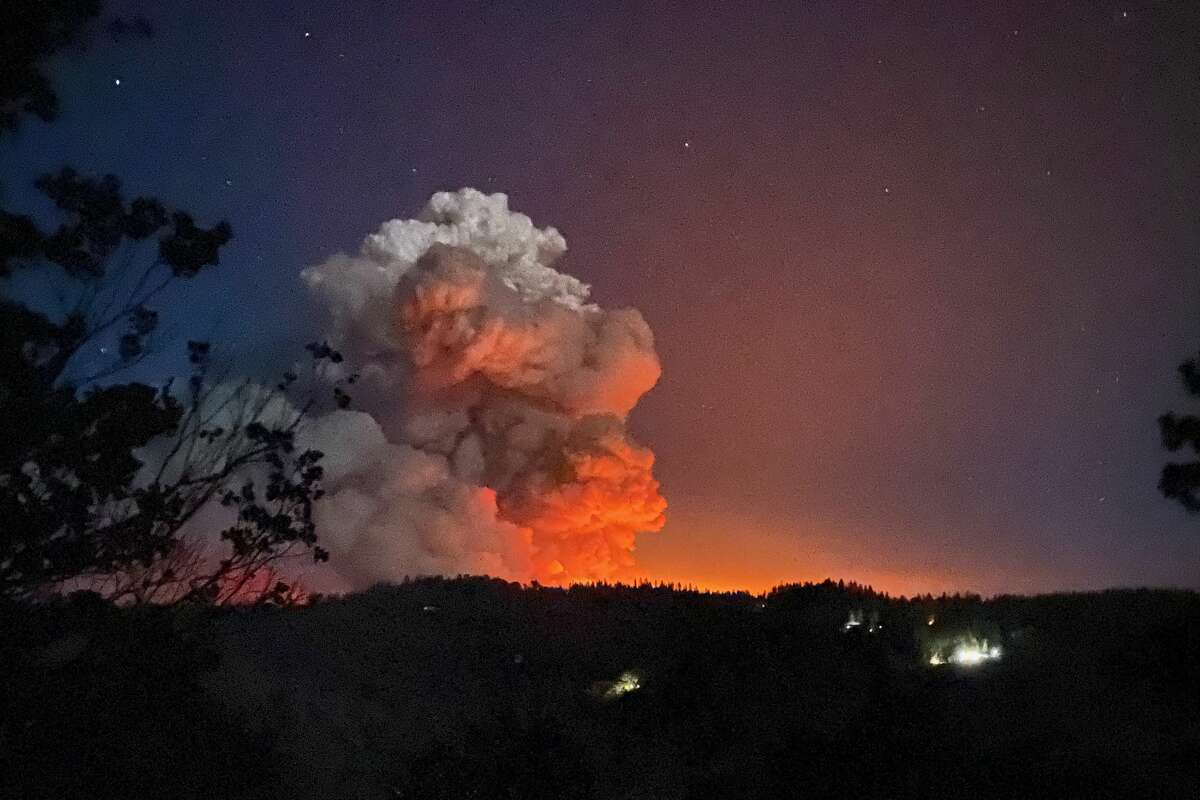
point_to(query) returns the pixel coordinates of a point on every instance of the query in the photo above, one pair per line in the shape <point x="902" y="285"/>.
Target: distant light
<point x="626" y="683"/>
<point x="967" y="653"/>
<point x="930" y="621"/>
<point x="967" y="656"/>
<point x="116" y="81"/>
<point x="686" y="143"/>
<point x="307" y="34"/>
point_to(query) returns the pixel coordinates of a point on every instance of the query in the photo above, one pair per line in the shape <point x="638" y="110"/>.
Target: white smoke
<point x="493" y="397"/>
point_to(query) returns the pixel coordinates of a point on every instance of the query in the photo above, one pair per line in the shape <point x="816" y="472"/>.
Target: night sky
<point x="919" y="276"/>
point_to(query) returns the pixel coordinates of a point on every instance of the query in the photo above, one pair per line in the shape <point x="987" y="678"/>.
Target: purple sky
<point x="919" y="277"/>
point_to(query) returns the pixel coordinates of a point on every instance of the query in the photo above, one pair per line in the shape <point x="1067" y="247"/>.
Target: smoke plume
<point x="491" y="436"/>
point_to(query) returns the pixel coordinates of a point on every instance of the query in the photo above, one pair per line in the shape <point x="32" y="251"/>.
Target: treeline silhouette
<point x="478" y="688"/>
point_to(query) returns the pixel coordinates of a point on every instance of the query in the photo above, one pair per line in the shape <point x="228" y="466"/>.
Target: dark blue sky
<point x="919" y="277"/>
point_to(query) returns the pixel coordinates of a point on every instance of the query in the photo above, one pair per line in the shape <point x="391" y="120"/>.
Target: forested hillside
<point x="478" y="688"/>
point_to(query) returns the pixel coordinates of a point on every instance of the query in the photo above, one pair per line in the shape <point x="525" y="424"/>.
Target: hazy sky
<point x="919" y="276"/>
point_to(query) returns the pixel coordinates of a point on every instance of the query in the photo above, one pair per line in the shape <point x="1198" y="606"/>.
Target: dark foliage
<point x="98" y="221"/>
<point x="67" y="459"/>
<point x="475" y="688"/>
<point x="1180" y="481"/>
<point x="98" y="701"/>
<point x="30" y="32"/>
<point x="73" y="506"/>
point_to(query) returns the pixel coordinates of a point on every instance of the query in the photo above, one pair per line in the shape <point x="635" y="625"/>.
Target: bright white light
<point x="856" y="619"/>
<point x="967" y="656"/>
<point x="966" y="653"/>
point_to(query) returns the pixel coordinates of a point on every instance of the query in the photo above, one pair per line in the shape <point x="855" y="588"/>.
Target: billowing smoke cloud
<point x="492" y="432"/>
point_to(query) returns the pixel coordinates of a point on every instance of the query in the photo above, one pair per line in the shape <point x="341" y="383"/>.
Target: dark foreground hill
<point x="474" y="688"/>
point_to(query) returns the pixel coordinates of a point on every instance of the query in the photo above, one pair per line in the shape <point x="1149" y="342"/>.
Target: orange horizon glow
<point x="715" y="553"/>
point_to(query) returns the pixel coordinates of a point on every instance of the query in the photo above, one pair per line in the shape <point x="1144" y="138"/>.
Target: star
<point x="116" y="81"/>
<point x="307" y="34"/>
<point x="686" y="143"/>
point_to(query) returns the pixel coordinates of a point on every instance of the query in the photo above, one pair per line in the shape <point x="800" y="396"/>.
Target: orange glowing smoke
<point x="585" y="513"/>
<point x="543" y="389"/>
<point x="490" y="427"/>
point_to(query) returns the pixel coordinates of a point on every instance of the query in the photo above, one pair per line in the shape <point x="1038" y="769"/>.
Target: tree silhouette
<point x="99" y="480"/>
<point x="70" y="493"/>
<point x="1181" y="481"/>
<point x="30" y="32"/>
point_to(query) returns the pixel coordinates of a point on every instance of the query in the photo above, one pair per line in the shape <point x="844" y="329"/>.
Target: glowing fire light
<point x="627" y="682"/>
<point x="856" y="620"/>
<point x="966" y="653"/>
